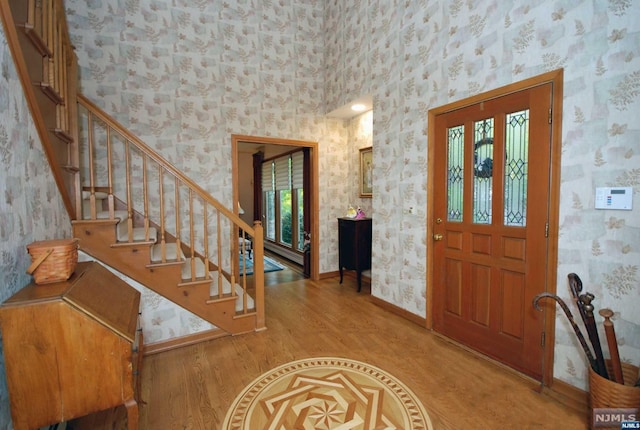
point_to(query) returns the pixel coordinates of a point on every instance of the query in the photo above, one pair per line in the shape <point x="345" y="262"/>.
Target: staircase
<point x="130" y="208"/>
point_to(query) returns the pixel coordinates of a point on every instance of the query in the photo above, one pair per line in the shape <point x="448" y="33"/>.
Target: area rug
<point x="270" y="265"/>
<point x="326" y="393"/>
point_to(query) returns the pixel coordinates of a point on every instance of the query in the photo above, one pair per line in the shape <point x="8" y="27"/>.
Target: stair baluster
<point x="107" y="207"/>
<point x="178" y="218"/>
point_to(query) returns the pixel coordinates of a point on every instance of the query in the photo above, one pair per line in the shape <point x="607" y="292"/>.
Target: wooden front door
<point x="491" y="215"/>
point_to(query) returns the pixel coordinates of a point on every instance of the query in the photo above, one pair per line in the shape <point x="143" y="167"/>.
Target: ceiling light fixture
<point x="358" y="107"/>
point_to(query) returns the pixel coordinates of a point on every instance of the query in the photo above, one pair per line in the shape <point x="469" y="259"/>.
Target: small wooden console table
<point x="71" y="348"/>
<point x="354" y="237"/>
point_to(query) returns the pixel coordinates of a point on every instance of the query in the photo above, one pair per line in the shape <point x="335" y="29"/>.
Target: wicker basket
<point x="605" y="393"/>
<point x="53" y="260"/>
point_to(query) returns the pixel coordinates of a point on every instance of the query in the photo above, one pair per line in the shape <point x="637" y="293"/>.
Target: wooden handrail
<point x="227" y="268"/>
<point x="144" y="148"/>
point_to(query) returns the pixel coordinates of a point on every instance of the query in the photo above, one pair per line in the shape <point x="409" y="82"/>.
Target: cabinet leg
<point x="341" y="274"/>
<point x="132" y="414"/>
<point x="359" y="280"/>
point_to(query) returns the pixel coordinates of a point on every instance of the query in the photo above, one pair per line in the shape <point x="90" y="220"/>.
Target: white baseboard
<point x="286" y="253"/>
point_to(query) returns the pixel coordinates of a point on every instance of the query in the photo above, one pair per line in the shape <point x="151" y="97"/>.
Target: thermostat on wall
<point x="614" y="198"/>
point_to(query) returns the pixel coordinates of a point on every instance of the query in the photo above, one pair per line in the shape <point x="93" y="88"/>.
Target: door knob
<point x="437" y="237"/>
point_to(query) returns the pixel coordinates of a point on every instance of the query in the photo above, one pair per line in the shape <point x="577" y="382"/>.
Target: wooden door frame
<point x="556" y="79"/>
<point x="313" y="178"/>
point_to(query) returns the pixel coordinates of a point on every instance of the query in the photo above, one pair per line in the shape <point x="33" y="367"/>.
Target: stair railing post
<point x="233" y="254"/>
<point x="178" y="241"/>
<point x="145" y="196"/>
<point x="258" y="274"/>
<point x="128" y="186"/>
<point x="163" y="246"/>
<point x="110" y="198"/>
<point x="205" y="215"/>
<point x="219" y="253"/>
<point x="92" y="185"/>
<point x="191" y="236"/>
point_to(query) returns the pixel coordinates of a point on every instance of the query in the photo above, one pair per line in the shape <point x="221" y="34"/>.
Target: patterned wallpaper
<point x="415" y="55"/>
<point x="186" y="76"/>
<point x="30" y="205"/>
<point x="360" y="136"/>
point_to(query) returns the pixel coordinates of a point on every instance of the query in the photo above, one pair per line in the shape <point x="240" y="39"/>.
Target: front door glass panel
<point x="516" y="169"/>
<point x="483" y="171"/>
<point x="455" y="171"/>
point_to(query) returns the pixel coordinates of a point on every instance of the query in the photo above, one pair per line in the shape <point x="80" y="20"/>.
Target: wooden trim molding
<point x="179" y="342"/>
<point x="312" y="147"/>
<point x="327" y="275"/>
<point x="399" y="311"/>
<point x="568" y="395"/>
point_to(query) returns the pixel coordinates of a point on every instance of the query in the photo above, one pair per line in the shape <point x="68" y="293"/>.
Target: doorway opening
<point x="493" y="217"/>
<point x="248" y="152"/>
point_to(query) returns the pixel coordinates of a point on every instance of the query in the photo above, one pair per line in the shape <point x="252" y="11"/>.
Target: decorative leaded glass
<point x="455" y="170"/>
<point x="516" y="169"/>
<point x="483" y="170"/>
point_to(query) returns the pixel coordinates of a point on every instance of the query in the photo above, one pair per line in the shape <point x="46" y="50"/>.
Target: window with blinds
<point x="283" y="190"/>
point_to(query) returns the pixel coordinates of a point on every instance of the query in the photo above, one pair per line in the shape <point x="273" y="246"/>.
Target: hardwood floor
<point x="192" y="387"/>
<point x="293" y="272"/>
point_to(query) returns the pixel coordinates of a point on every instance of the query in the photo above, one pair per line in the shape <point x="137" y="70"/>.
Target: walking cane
<point x="576" y="329"/>
<point x="583" y="302"/>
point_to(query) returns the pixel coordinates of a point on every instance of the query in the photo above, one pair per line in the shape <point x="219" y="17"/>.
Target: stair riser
<point x="103" y="233"/>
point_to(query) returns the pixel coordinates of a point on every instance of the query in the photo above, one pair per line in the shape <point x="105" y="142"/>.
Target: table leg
<point x="132" y="414"/>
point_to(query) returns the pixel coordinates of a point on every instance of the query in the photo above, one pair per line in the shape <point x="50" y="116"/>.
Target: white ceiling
<point x="345" y="112"/>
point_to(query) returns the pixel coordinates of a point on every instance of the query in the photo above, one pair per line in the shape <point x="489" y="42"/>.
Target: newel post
<point x="258" y="274"/>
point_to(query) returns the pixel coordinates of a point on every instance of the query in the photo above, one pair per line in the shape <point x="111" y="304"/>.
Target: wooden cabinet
<point x="69" y="348"/>
<point x="354" y="238"/>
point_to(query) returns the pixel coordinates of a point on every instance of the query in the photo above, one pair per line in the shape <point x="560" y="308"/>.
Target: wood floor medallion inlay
<point x="326" y="394"/>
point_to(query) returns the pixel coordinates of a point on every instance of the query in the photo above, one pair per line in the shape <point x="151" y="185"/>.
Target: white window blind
<point x="297" y="170"/>
<point x="267" y="176"/>
<point x="282" y="174"/>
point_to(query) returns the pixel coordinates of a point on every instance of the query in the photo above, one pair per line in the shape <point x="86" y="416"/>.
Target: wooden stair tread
<point x="139" y="234"/>
<point x="199" y="270"/>
<point x="190" y="283"/>
<point x="173" y="255"/>
<point x="63" y="135"/>
<point x="121" y="215"/>
<point x="226" y="290"/>
<point x="94" y="221"/>
<point x="134" y="243"/>
<point x="168" y="263"/>
<point x="36" y="40"/>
